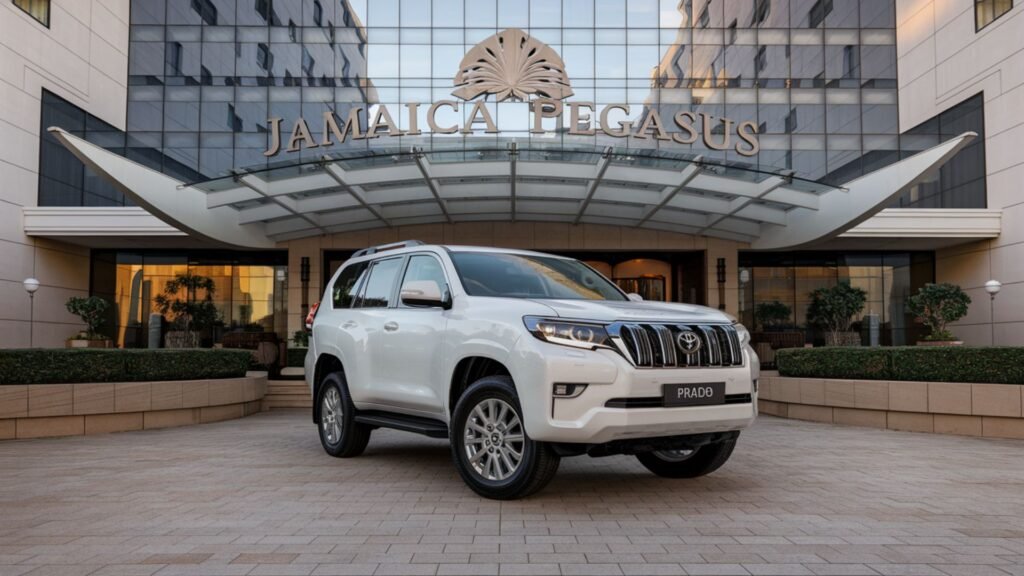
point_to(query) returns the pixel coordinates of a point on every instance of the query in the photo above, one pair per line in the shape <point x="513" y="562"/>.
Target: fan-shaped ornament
<point x="512" y="64"/>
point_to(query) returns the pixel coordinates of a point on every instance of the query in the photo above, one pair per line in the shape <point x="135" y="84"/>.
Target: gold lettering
<point x="382" y="119"/>
<point x="300" y="134"/>
<point x="709" y="140"/>
<point x="653" y="120"/>
<point x="544" y="108"/>
<point x="414" y="121"/>
<point x="351" y="127"/>
<point x="575" y="118"/>
<point x="685" y="121"/>
<point x="275" y="137"/>
<point x="747" y="131"/>
<point x="433" y="110"/>
<point x="480" y="108"/>
<point x="624" y="126"/>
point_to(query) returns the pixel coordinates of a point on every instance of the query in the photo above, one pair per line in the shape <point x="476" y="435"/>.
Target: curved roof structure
<point x="623" y="187"/>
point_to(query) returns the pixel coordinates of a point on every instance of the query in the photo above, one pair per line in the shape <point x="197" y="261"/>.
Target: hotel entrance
<point x="659" y="276"/>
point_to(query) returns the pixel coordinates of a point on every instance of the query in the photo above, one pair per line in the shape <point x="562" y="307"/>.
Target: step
<point x="425" y="426"/>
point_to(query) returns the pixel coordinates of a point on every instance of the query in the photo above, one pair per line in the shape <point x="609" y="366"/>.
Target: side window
<point x="379" y="284"/>
<point x="423" y="267"/>
<point x="344" y="290"/>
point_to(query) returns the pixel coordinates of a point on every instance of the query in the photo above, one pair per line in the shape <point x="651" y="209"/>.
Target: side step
<point x="426" y="426"/>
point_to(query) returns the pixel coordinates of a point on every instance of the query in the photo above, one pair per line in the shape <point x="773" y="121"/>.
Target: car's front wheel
<point x="688" y="463"/>
<point x="490" y="447"/>
<point x="340" y="435"/>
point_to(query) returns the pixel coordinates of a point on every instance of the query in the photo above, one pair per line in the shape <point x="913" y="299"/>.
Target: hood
<point x="611" y="311"/>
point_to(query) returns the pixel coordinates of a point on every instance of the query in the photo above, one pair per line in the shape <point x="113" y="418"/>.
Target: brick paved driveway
<point x="258" y="496"/>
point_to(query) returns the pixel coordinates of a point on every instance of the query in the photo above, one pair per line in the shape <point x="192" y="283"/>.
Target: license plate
<point x="703" y="394"/>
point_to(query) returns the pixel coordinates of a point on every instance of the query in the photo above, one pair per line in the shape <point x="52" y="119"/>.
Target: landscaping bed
<point x="994" y="365"/>
<point x="67" y="366"/>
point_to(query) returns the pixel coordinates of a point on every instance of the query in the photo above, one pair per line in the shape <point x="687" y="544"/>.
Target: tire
<point x="340" y="435"/>
<point x="492" y="471"/>
<point x="702" y="461"/>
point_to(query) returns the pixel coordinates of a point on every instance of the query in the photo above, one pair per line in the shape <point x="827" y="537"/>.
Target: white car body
<point x="405" y="360"/>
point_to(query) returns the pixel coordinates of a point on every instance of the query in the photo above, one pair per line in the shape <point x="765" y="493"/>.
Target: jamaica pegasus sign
<point x="511" y="65"/>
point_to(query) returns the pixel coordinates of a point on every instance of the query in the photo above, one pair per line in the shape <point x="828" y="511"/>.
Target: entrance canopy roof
<point x="623" y="187"/>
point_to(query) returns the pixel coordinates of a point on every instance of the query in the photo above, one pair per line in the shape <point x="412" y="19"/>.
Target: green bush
<point x="296" y="357"/>
<point x="937" y="305"/>
<point x="69" y="365"/>
<point x="1002" y="365"/>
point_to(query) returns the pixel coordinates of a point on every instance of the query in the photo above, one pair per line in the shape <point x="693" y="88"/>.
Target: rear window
<point x="379" y="284"/>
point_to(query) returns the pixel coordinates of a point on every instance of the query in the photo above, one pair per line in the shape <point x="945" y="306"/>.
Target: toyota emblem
<point x="688" y="341"/>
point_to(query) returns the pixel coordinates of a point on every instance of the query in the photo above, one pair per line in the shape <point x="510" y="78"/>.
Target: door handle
<point x="391" y="326"/>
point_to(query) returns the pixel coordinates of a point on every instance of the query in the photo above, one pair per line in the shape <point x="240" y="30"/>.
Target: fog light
<point x="569" y="390"/>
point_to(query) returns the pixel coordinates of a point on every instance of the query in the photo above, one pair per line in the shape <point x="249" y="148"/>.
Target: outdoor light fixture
<point x="720" y="270"/>
<point x="304" y="269"/>
<point x="31" y="285"/>
<point x="993" y="287"/>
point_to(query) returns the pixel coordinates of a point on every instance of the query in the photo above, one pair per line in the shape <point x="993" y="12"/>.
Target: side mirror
<point x="424" y="293"/>
<point x="310" y="316"/>
<point x="634" y="297"/>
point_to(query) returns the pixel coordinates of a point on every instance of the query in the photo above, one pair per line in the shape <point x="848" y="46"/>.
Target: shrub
<point x="937" y="305"/>
<point x="188" y="313"/>
<point x="1003" y="365"/>
<point x="834" y="308"/>
<point x="771" y="314"/>
<point x="90" y="310"/>
<point x="296" y="357"/>
<point x="58" y="365"/>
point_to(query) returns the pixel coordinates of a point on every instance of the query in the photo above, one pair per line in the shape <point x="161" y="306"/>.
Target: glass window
<point x="985" y="11"/>
<point x="424" y="268"/>
<point x="379" y="284"/>
<point x="520" y="276"/>
<point x="345" y="287"/>
<point x="38" y="9"/>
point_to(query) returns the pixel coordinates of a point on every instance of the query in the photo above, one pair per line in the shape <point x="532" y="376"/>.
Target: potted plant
<point x="188" y="313"/>
<point x="936" y="305"/>
<point x="772" y="316"/>
<point x="833" y="309"/>
<point x="91" y="311"/>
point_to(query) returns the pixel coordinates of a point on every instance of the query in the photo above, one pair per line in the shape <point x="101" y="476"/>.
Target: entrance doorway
<point x="659" y="276"/>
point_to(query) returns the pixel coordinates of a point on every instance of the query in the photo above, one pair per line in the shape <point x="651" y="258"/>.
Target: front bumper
<point x="587" y="419"/>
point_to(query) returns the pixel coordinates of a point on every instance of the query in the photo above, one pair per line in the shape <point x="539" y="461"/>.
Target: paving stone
<point x="259" y="496"/>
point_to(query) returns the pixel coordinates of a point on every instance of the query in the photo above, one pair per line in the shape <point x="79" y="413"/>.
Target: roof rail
<point x="386" y="247"/>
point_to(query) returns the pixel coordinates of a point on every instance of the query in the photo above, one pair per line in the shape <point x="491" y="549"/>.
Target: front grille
<point x="659" y="401"/>
<point x="657" y="345"/>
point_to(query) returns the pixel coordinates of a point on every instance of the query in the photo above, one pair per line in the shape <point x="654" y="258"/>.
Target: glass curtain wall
<point x="788" y="279"/>
<point x="248" y="294"/>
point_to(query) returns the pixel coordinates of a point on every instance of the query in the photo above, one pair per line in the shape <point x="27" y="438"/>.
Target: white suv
<point x="520" y="358"/>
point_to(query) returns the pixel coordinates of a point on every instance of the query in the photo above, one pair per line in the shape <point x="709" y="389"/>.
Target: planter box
<point x="76" y="343"/>
<point x="842" y="339"/>
<point x="940" y="343"/>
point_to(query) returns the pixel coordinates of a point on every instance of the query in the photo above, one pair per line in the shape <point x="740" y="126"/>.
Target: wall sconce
<point x="304" y="269"/>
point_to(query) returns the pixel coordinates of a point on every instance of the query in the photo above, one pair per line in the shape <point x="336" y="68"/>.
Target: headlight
<point x="743" y="333"/>
<point x="575" y="334"/>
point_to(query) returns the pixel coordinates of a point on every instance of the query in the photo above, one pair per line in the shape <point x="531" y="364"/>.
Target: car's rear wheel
<point x="340" y="435"/>
<point x="690" y="463"/>
<point x="490" y="447"/>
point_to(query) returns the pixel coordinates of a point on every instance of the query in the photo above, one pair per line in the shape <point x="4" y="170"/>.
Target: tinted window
<point x="345" y="286"/>
<point x="523" y="276"/>
<point x="423" y="267"/>
<point x="379" y="284"/>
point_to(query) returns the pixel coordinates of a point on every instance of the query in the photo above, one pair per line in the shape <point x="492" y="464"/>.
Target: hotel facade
<point x="721" y="152"/>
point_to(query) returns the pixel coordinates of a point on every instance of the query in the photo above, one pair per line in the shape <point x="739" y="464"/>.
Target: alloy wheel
<point x="331" y="416"/>
<point x="494" y="440"/>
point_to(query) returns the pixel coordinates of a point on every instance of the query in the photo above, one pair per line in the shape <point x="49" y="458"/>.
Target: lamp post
<point x="31" y="285"/>
<point x="993" y="287"/>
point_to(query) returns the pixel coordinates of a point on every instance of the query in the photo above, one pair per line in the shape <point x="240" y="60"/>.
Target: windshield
<point x="525" y="276"/>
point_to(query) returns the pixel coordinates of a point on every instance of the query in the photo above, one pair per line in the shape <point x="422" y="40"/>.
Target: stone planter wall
<point x="992" y="410"/>
<point x="44" y="410"/>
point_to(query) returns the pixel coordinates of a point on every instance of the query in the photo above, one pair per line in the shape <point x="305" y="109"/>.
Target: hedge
<point x="296" y="357"/>
<point x="69" y="365"/>
<point x="996" y="365"/>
